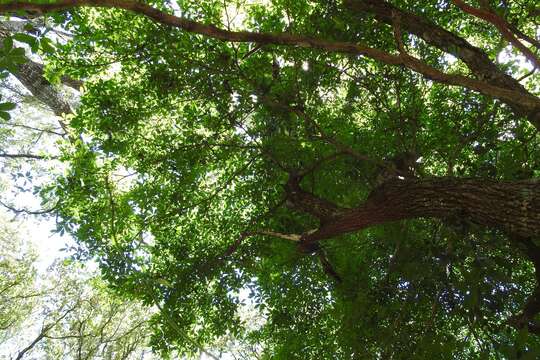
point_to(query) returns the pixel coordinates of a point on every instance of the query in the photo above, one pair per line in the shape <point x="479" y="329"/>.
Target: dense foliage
<point x="364" y="170"/>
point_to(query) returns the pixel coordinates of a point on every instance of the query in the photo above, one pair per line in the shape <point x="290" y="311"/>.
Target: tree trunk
<point x="513" y="207"/>
<point x="31" y="76"/>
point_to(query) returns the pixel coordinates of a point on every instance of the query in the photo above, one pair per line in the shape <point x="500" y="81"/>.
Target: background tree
<point x="65" y="314"/>
<point x="366" y="168"/>
<point x="17" y="281"/>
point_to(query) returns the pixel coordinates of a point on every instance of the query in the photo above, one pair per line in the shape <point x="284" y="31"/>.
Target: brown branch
<point x="29" y="212"/>
<point x="527" y="102"/>
<point x="524" y="36"/>
<point x="327" y="267"/>
<point x="396" y="26"/>
<point x="27" y="156"/>
<point x="527" y="75"/>
<point x="309" y="203"/>
<point x="525" y="319"/>
<point x="502" y="26"/>
<point x="71" y="82"/>
<point x="513" y="207"/>
<point x="485" y="70"/>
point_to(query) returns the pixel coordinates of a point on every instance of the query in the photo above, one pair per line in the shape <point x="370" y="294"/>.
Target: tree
<point x="67" y="313"/>
<point x="81" y="319"/>
<point x="368" y="169"/>
<point x="30" y="136"/>
<point x="17" y="281"/>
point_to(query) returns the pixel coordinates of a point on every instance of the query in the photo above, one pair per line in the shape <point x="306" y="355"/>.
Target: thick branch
<point x="31" y="76"/>
<point x="307" y="202"/>
<point x="513" y="207"/>
<point x="528" y="103"/>
<point x="65" y="79"/>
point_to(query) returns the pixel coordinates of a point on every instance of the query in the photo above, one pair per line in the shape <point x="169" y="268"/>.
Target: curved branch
<point x="502" y="26"/>
<point x="327" y="267"/>
<point x="476" y="60"/>
<point x="528" y="103"/>
<point x="524" y="36"/>
<point x="29" y="212"/>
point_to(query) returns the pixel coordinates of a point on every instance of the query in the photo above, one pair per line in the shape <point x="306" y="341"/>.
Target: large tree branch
<point x="513" y="207"/>
<point x="517" y="96"/>
<point x="477" y="60"/>
<point x="31" y="75"/>
<point x="309" y="203"/>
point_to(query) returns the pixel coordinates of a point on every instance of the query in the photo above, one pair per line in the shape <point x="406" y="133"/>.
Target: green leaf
<point x="5" y="115"/>
<point x="27" y="39"/>
<point x="19" y="51"/>
<point x="165" y="282"/>
<point x="47" y="46"/>
<point x="7" y="106"/>
<point x="8" y="44"/>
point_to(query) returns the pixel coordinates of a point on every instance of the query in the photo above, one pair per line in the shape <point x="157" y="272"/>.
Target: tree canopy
<point x="363" y="172"/>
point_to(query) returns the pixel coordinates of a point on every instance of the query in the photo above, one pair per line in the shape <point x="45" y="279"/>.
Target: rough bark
<point x="513" y="207"/>
<point x="30" y="74"/>
<point x="306" y="202"/>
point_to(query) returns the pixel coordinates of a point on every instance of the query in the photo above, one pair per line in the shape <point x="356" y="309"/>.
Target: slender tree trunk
<point x="513" y="207"/>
